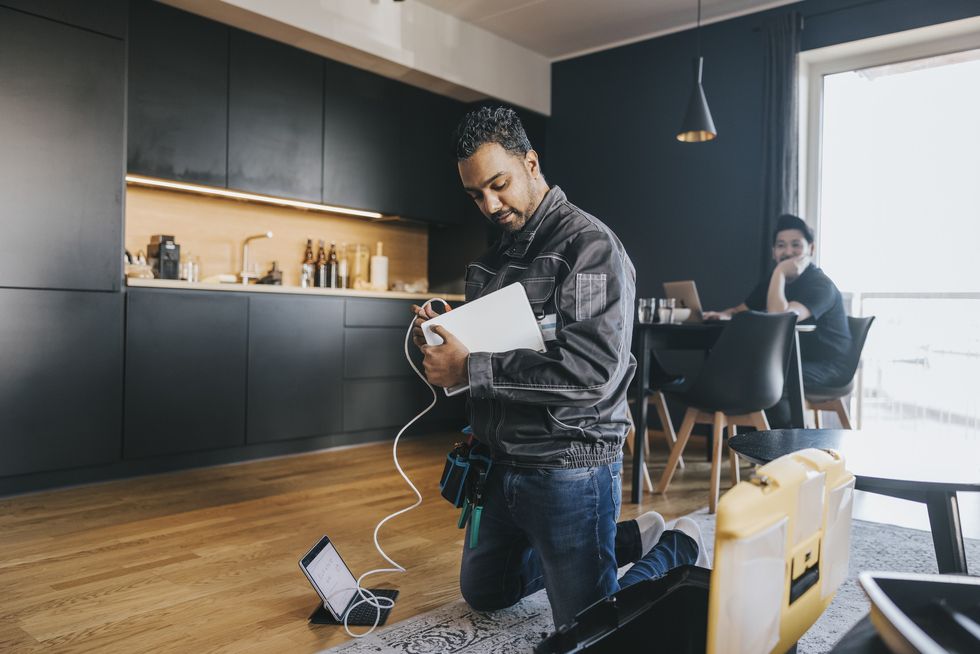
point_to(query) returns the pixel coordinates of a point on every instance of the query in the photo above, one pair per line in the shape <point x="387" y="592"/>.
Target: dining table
<point x="652" y="337"/>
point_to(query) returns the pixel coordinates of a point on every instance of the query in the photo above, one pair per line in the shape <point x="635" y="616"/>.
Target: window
<point x="893" y="187"/>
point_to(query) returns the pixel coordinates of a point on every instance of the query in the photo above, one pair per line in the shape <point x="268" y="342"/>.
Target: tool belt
<point x="463" y="480"/>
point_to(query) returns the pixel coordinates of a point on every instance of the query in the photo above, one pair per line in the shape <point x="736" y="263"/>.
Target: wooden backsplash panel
<point x="213" y="230"/>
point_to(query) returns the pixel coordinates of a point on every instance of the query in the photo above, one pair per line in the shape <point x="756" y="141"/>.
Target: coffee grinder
<point x="163" y="255"/>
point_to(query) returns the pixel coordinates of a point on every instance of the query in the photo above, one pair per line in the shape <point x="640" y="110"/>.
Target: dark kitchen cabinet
<point x="380" y="388"/>
<point x="391" y="403"/>
<point x="382" y="403"/>
<point x="61" y="155"/>
<point x="363" y="163"/>
<point x="61" y="379"/>
<point x="367" y="312"/>
<point x="104" y="16"/>
<point x="387" y="146"/>
<point x="375" y="352"/>
<point x="295" y="367"/>
<point x="275" y="118"/>
<point x="178" y="95"/>
<point x="433" y="191"/>
<point x="186" y="357"/>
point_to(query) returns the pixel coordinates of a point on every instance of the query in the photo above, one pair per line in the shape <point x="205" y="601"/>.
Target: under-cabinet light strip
<point x="139" y="180"/>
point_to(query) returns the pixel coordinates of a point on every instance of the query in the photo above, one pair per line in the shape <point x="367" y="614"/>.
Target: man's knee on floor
<point x="481" y="598"/>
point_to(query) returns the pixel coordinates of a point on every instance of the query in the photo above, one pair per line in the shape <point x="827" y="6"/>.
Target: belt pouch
<point x="453" y="482"/>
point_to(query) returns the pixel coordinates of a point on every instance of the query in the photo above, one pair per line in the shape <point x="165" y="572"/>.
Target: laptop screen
<point x="331" y="576"/>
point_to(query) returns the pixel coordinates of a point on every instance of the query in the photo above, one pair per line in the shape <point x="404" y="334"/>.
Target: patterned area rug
<point x="456" y="629"/>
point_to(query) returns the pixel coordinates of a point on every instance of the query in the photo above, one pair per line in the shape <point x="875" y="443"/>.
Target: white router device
<point x="497" y="322"/>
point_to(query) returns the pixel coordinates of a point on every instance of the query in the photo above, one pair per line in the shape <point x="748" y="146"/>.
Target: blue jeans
<point x="556" y="529"/>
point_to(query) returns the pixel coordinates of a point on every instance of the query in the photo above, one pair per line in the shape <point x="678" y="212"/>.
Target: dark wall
<point x="692" y="211"/>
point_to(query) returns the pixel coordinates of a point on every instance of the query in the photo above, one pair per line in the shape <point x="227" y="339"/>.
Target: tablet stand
<point x="362" y="616"/>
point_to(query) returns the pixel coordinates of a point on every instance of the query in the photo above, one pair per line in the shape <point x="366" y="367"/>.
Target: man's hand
<point x="794" y="267"/>
<point x="422" y="314"/>
<point x="717" y="315"/>
<point x="445" y="365"/>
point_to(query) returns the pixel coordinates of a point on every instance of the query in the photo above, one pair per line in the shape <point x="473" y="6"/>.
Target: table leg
<point x="642" y="375"/>
<point x="794" y="386"/>
<point x="947" y="532"/>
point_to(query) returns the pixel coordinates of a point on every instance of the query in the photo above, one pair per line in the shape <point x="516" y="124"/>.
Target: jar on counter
<point x="359" y="256"/>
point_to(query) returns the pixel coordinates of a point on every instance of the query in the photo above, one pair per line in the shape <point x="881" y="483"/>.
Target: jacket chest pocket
<point x="473" y="290"/>
<point x="539" y="293"/>
<point x="478" y="277"/>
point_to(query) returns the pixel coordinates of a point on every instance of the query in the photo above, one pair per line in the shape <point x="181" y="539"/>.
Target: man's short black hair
<point x="500" y="125"/>
<point x="789" y="221"/>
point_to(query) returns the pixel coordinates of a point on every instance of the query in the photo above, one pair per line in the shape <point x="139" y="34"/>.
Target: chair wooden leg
<point x="816" y="418"/>
<point x="630" y="444"/>
<point x="687" y="425"/>
<point x="661" y="403"/>
<point x="718" y="432"/>
<point x="732" y="456"/>
<point x="760" y="420"/>
<point x="841" y="410"/>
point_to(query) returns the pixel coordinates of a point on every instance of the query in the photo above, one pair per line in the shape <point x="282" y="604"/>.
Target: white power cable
<point x="367" y="597"/>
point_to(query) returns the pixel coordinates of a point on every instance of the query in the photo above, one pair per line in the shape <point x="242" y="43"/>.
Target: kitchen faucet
<point x="247" y="274"/>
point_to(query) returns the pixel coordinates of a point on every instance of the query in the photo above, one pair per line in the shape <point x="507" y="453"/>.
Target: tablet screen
<point x="332" y="578"/>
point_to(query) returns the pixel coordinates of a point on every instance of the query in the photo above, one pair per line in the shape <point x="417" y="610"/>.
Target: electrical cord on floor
<point x="367" y="597"/>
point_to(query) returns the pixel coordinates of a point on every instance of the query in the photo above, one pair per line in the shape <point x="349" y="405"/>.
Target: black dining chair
<point x="831" y="398"/>
<point x="660" y="381"/>
<point x="743" y="375"/>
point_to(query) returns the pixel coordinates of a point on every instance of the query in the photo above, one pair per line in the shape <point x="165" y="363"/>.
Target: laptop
<point x="686" y="294"/>
<point x="333" y="582"/>
<point x="497" y="322"/>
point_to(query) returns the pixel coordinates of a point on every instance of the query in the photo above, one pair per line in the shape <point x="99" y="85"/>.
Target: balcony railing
<point x="921" y="365"/>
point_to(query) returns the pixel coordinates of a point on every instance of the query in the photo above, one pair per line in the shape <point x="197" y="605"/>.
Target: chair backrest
<point x="782" y="546"/>
<point x="859" y="334"/>
<point x="746" y="368"/>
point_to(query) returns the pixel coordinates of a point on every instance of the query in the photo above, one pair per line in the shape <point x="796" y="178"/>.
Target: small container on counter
<point x="190" y="268"/>
<point x="379" y="270"/>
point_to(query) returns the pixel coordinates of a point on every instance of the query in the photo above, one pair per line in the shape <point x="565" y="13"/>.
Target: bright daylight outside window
<point x="899" y="228"/>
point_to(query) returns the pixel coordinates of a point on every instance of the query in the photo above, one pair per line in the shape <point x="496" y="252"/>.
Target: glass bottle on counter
<point x="332" y="264"/>
<point x="321" y="267"/>
<point x="308" y="270"/>
<point x="343" y="268"/>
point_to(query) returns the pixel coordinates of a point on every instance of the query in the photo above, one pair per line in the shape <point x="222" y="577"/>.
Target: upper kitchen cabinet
<point x="104" y="16"/>
<point x="61" y="379"/>
<point x="362" y="158"/>
<point x="275" y="118"/>
<point x="178" y="95"/>
<point x="61" y="155"/>
<point x="433" y="190"/>
<point x="387" y="146"/>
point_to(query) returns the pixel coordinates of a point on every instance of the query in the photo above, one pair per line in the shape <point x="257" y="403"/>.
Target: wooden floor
<point x="206" y="560"/>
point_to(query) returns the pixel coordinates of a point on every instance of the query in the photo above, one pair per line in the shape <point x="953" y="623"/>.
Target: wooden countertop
<point x="296" y="290"/>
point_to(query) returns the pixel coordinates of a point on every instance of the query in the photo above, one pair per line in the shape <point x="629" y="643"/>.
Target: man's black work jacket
<point x="565" y="407"/>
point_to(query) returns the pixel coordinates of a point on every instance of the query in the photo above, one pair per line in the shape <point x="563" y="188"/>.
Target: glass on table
<point x="646" y="310"/>
<point x="665" y="313"/>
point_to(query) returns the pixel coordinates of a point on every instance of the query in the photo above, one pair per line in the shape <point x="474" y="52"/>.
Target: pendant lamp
<point x="698" y="125"/>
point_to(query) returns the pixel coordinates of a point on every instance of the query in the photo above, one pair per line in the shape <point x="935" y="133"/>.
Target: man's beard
<point x="519" y="219"/>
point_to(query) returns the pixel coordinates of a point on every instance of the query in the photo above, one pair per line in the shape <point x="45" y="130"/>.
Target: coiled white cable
<point x="367" y="597"/>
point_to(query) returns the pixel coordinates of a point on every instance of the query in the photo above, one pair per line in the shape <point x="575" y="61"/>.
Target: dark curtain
<point x="780" y="127"/>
